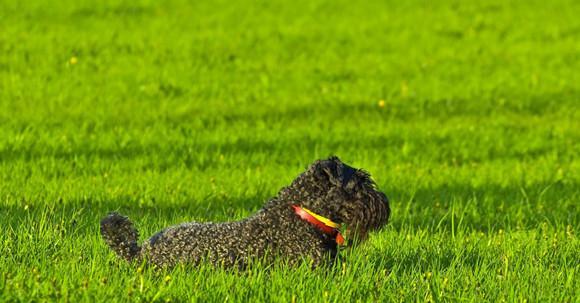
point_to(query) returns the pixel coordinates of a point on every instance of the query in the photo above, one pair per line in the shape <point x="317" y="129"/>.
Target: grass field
<point x="465" y="113"/>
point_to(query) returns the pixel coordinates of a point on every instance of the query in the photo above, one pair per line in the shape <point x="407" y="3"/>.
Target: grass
<point x="179" y="111"/>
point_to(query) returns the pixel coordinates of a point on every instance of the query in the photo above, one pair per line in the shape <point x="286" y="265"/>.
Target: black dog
<point x="302" y="222"/>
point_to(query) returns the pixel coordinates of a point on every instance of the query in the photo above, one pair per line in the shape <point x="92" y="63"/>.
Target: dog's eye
<point x="347" y="174"/>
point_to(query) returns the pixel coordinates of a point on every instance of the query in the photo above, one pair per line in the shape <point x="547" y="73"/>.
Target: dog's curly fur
<point x="329" y="188"/>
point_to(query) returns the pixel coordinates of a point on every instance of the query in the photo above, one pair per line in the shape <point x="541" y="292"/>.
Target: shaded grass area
<point x="464" y="113"/>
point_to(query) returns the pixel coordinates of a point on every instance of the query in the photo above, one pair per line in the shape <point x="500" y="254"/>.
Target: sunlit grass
<point x="464" y="113"/>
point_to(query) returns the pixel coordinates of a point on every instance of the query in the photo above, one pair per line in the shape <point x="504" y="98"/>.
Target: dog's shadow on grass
<point x="425" y="259"/>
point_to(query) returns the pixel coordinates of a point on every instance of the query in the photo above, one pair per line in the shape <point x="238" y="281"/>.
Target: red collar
<point x="323" y="224"/>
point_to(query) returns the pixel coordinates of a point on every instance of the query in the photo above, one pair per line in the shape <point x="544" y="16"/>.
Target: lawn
<point x="465" y="113"/>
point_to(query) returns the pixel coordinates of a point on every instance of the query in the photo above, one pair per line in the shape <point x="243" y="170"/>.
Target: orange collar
<point x="323" y="224"/>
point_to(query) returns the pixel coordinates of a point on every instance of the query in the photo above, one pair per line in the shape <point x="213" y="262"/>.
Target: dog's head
<point x="343" y="194"/>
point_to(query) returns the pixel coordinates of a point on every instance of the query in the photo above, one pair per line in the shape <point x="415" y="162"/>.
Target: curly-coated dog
<point x="303" y="222"/>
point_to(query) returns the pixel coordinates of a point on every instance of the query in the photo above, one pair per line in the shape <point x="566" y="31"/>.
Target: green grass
<point x="178" y="111"/>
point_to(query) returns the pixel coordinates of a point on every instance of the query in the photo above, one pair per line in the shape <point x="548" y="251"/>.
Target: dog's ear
<point x="338" y="173"/>
<point x="334" y="159"/>
<point x="347" y="177"/>
<point x="331" y="170"/>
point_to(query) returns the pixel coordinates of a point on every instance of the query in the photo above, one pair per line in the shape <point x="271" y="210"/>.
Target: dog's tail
<point x="119" y="232"/>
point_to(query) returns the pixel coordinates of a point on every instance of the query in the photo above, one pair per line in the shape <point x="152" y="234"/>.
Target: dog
<point x="304" y="222"/>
